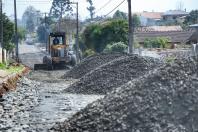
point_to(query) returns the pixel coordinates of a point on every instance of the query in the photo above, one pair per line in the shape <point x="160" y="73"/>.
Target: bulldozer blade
<point x="40" y="67"/>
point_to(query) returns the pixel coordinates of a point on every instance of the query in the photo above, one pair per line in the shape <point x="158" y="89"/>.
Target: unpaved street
<point x="30" y="55"/>
<point x="39" y="101"/>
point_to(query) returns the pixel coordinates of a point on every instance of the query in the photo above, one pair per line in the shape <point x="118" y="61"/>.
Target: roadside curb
<point x="9" y="83"/>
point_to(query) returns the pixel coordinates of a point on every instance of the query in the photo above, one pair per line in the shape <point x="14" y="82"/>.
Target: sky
<point x="137" y="6"/>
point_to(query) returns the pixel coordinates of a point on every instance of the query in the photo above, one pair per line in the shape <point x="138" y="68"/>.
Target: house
<point x="173" y="16"/>
<point x="161" y="18"/>
<point x="175" y="37"/>
<point x="149" y="18"/>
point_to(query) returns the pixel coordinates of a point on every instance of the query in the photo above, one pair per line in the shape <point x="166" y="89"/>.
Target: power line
<point x="100" y="20"/>
<point x="23" y="2"/>
<point x="115" y="8"/>
<point x="27" y="0"/>
<point x="103" y="6"/>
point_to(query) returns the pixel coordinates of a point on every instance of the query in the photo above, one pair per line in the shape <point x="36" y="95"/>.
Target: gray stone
<point x="155" y="102"/>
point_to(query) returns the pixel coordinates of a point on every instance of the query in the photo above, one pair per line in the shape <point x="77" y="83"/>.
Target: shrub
<point x="159" y="42"/>
<point x="88" y="52"/>
<point x="116" y="47"/>
<point x="97" y="36"/>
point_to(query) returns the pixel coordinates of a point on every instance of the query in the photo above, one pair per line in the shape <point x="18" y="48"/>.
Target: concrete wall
<point x="1" y="55"/>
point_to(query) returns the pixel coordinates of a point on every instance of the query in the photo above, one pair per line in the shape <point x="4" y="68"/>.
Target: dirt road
<point x="39" y="101"/>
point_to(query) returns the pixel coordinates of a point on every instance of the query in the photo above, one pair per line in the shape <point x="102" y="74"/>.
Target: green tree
<point x="21" y="33"/>
<point x="97" y="36"/>
<point x="48" y="20"/>
<point x="136" y="20"/>
<point x="41" y="33"/>
<point x="8" y="33"/>
<point x="192" y="18"/>
<point x="91" y="8"/>
<point x="60" y="8"/>
<point x="120" y="15"/>
<point x="30" y="26"/>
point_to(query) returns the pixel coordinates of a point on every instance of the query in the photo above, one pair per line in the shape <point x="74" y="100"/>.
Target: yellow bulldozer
<point x="59" y="53"/>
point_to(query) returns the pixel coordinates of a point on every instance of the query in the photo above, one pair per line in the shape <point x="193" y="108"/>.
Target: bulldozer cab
<point x="57" y="38"/>
<point x="57" y="44"/>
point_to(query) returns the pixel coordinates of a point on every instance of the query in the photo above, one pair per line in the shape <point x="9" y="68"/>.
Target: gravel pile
<point x="113" y="74"/>
<point x="16" y="107"/>
<point x="165" y="100"/>
<point x="91" y="63"/>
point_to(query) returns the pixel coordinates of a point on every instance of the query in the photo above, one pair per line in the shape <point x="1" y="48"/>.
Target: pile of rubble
<point x="163" y="100"/>
<point x="16" y="107"/>
<point x="113" y="74"/>
<point x="90" y="63"/>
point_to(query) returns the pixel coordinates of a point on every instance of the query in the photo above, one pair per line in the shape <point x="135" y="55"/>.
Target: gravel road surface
<point x="39" y="101"/>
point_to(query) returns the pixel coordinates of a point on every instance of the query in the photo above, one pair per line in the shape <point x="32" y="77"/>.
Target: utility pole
<point x="130" y="35"/>
<point x="16" y="32"/>
<point x="77" y="31"/>
<point x="1" y="31"/>
<point x="60" y="19"/>
<point x="45" y="31"/>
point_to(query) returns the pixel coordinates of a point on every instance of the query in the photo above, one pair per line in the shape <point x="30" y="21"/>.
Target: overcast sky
<point x="137" y="6"/>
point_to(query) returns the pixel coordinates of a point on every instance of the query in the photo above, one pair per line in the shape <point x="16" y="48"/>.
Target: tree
<point x="97" y="36"/>
<point x="60" y="8"/>
<point x="120" y="15"/>
<point x="41" y="32"/>
<point x="136" y="20"/>
<point x="91" y="8"/>
<point x="48" y="20"/>
<point x="21" y="33"/>
<point x="192" y="18"/>
<point x="30" y="26"/>
<point x="8" y="28"/>
<point x="30" y="17"/>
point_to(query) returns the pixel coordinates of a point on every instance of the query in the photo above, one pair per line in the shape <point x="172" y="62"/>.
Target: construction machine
<point x="59" y="53"/>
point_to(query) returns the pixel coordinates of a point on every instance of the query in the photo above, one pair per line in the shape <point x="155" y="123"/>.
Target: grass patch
<point x="2" y="66"/>
<point x="11" y="69"/>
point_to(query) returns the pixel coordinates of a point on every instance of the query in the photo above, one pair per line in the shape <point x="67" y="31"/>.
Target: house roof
<point x="173" y="36"/>
<point x="151" y="15"/>
<point x="175" y="12"/>
<point x="160" y="28"/>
